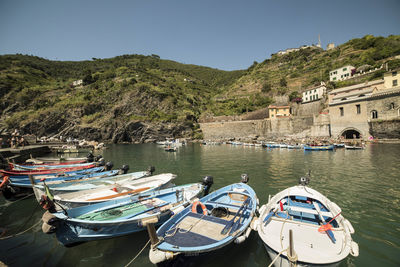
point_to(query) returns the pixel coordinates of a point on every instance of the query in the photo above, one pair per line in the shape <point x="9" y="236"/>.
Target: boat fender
<point x="157" y="256"/>
<point x="354" y="251"/>
<point x="5" y="182"/>
<point x="254" y="223"/>
<point x="203" y="207"/>
<point x="48" y="229"/>
<point x="47" y="204"/>
<point x="243" y="237"/>
<point x="348" y="224"/>
<point x="262" y="209"/>
<point x="49" y="218"/>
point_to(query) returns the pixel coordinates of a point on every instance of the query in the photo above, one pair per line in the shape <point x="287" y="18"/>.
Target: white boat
<point x="109" y="192"/>
<point x="303" y="211"/>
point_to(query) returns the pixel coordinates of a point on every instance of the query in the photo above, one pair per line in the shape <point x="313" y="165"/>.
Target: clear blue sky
<point x="223" y="34"/>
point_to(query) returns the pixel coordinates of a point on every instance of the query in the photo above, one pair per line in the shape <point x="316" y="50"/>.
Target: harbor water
<point x="364" y="183"/>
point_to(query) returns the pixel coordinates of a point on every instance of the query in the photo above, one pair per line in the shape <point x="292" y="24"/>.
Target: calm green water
<point x="365" y="184"/>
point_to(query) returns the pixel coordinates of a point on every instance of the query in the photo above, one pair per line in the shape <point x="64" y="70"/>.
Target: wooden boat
<point x="46" y="171"/>
<point x="354" y="147"/>
<point x="50" y="176"/>
<point x="339" y="145"/>
<point x="319" y="148"/>
<point x="294" y="146"/>
<point x="43" y="160"/>
<point x="320" y="234"/>
<point x="118" y="187"/>
<point x="117" y="217"/>
<point x="217" y="220"/>
<point x="65" y="181"/>
<point x="170" y="148"/>
<point x="21" y="167"/>
<point x="272" y="145"/>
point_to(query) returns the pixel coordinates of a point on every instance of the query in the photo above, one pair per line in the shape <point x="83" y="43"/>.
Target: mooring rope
<point x="140" y="252"/>
<point x="20" y="233"/>
<point x="13" y="202"/>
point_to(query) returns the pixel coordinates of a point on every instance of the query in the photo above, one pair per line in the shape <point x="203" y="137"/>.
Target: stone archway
<point x="351" y="133"/>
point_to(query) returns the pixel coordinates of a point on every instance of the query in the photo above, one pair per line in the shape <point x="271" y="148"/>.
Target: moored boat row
<point x="298" y="226"/>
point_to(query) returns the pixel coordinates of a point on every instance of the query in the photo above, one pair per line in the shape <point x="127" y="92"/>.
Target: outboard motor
<point x="124" y="169"/>
<point x="244" y="178"/>
<point x="109" y="166"/>
<point x="90" y="157"/>
<point x="207" y="182"/>
<point x="151" y="170"/>
<point x="304" y="180"/>
<point x="98" y="158"/>
<point x="101" y="162"/>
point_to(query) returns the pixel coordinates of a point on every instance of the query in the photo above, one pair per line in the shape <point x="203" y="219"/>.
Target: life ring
<point x="203" y="207"/>
<point x="5" y="181"/>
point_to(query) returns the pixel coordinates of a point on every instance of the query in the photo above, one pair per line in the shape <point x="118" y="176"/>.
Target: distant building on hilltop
<point x="330" y="46"/>
<point x="314" y="93"/>
<point x="342" y="73"/>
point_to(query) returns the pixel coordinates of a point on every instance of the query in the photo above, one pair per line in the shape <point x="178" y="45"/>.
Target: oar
<point x="266" y="219"/>
<point x="328" y="231"/>
<point x="236" y="224"/>
<point x="230" y="223"/>
<point x="327" y="226"/>
<point x="121" y="194"/>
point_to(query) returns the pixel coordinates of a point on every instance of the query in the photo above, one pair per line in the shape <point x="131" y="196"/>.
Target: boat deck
<point x="198" y="230"/>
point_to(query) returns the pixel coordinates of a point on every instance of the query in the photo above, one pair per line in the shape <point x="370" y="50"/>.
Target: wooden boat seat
<point x="197" y="230"/>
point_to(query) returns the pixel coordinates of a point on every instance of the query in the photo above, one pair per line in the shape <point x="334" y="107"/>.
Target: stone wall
<point x="307" y="109"/>
<point x="389" y="129"/>
<point x="263" y="129"/>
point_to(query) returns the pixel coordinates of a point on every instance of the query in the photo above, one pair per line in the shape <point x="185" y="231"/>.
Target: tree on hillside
<point x="283" y="82"/>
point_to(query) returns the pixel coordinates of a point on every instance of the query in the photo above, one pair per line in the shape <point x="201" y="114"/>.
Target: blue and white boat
<point x="217" y="220"/>
<point x="65" y="181"/>
<point x="49" y="176"/>
<point x="117" y="217"/>
<point x="300" y="226"/>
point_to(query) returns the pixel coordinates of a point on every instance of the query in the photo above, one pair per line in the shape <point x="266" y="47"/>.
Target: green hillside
<point x="134" y="95"/>
<point x="292" y="73"/>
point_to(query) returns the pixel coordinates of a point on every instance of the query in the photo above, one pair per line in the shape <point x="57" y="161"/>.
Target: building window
<point x="394" y="82"/>
<point x="391" y="106"/>
<point x="341" y="111"/>
<point x="334" y="78"/>
<point x="358" y="107"/>
<point x="343" y="98"/>
<point x="316" y="96"/>
<point x="374" y="114"/>
<point x="394" y="73"/>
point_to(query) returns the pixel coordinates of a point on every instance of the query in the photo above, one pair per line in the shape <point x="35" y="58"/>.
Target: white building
<point x="314" y="93"/>
<point x="341" y="74"/>
<point x="77" y="82"/>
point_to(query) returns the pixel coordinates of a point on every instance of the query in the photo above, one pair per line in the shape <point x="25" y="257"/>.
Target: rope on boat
<point x="20" y="233"/>
<point x="140" y="252"/>
<point x="25" y="197"/>
<point x="277" y="256"/>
